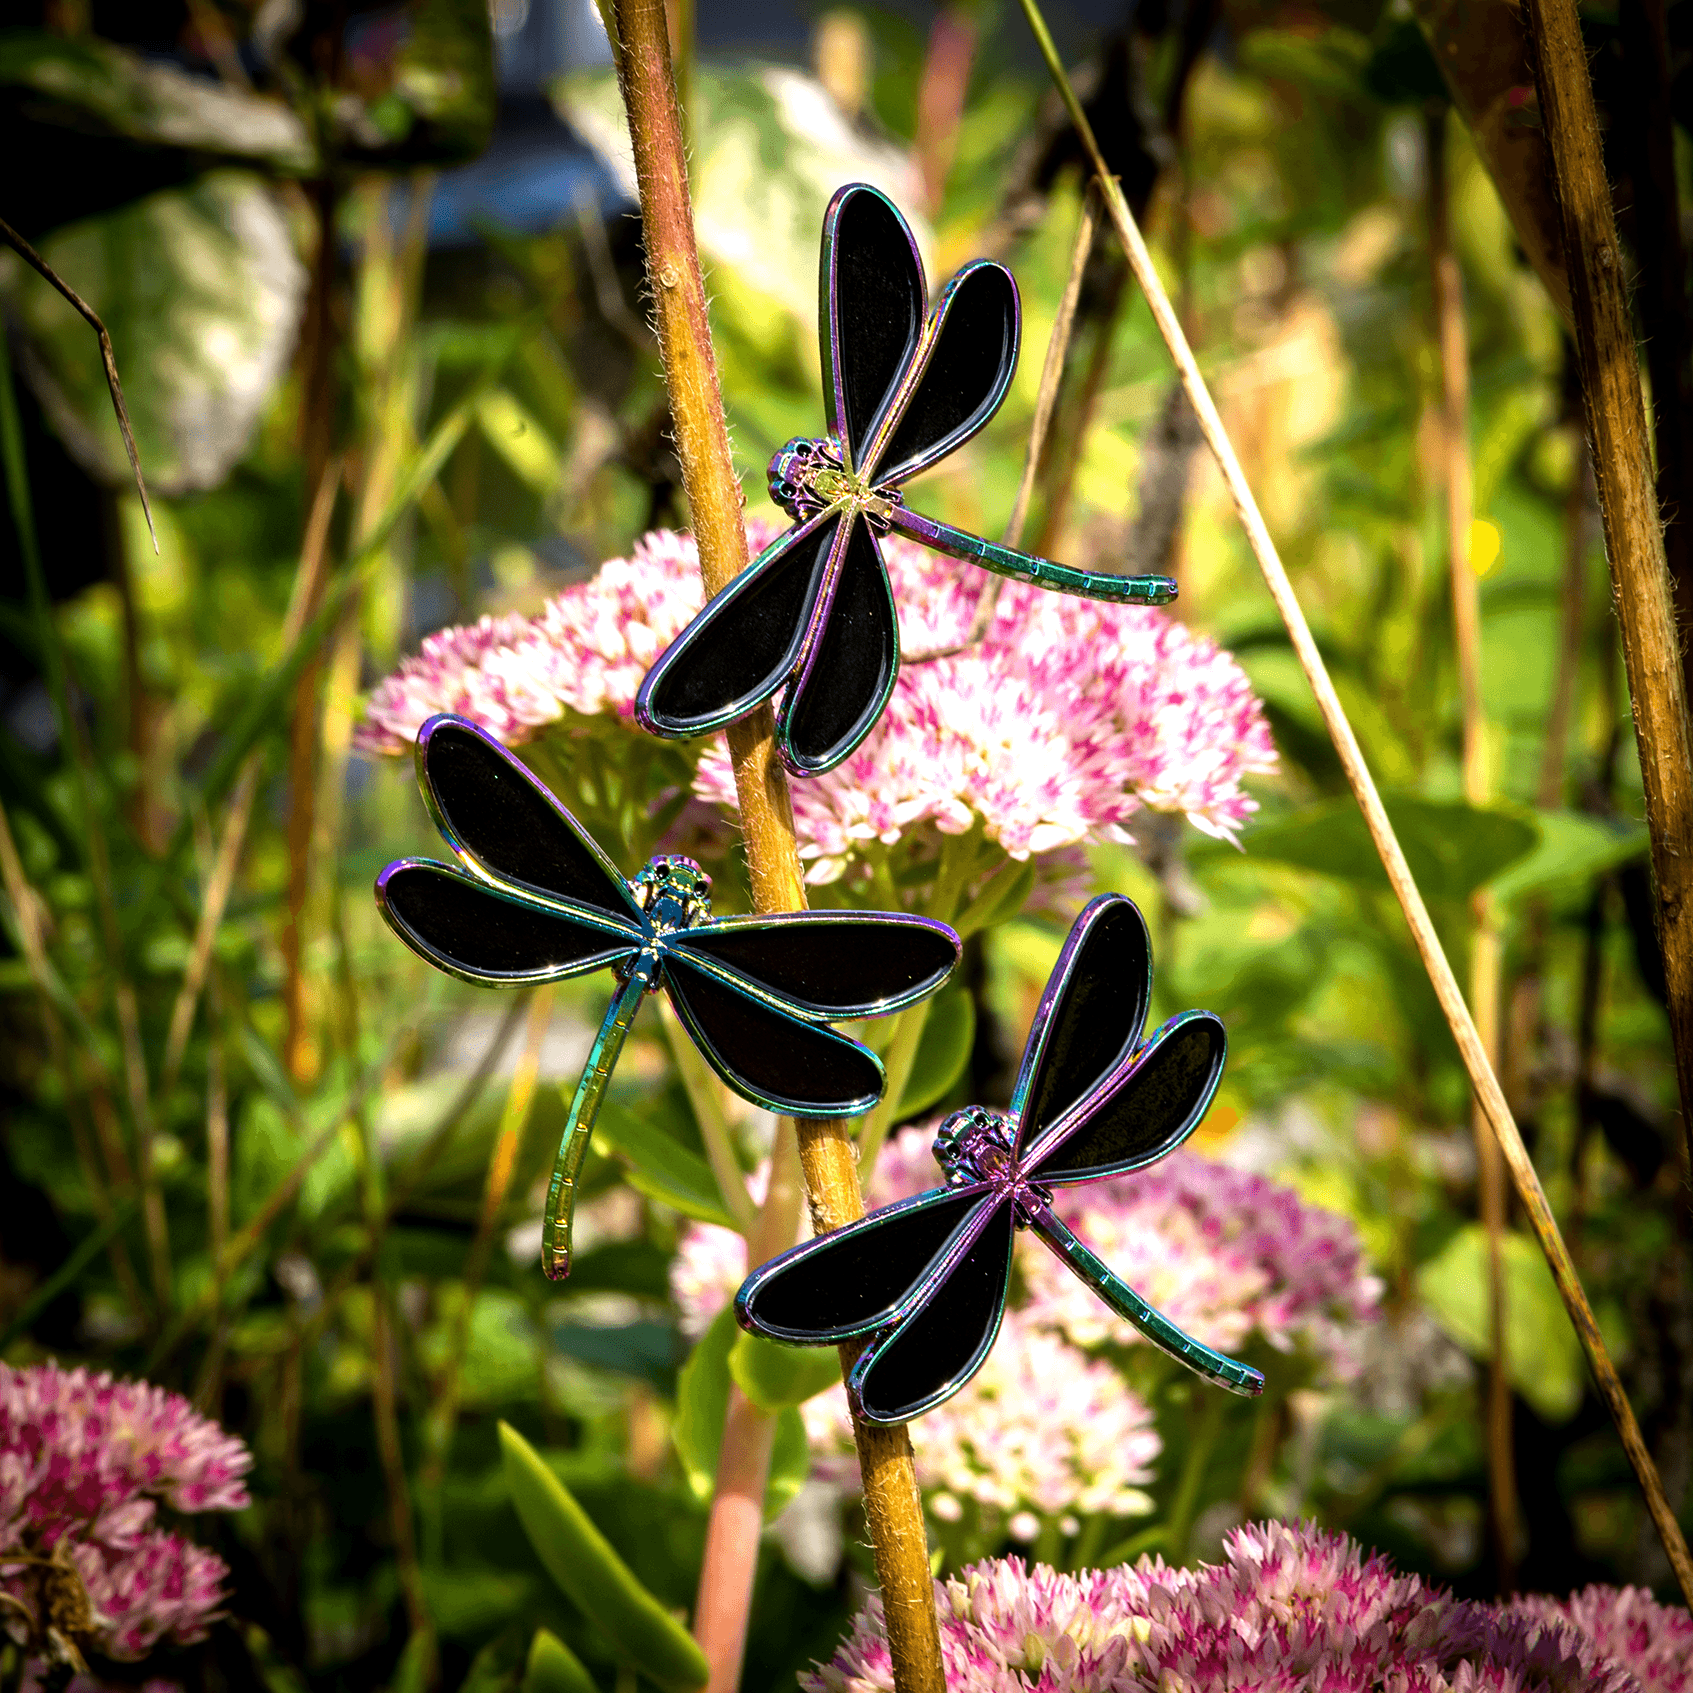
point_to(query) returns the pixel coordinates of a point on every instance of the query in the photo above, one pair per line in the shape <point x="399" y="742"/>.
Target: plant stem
<point x="705" y="1096"/>
<point x="320" y="339"/>
<point x="1645" y="121"/>
<point x="1665" y="671"/>
<point x="443" y="1418"/>
<point x="1486" y="945"/>
<point x="1628" y="506"/>
<point x="892" y="1502"/>
<point x="1184" y="1507"/>
<point x="730" y="1558"/>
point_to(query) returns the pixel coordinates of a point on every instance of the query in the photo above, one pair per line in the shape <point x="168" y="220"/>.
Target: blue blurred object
<point x="536" y="172"/>
<point x="534" y="175"/>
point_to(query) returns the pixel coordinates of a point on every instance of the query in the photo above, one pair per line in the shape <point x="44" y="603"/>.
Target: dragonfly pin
<point x="926" y="1279"/>
<point x="901" y="391"/>
<point x="533" y="899"/>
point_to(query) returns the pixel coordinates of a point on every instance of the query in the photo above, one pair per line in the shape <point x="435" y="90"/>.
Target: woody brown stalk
<point x="892" y="1503"/>
<point x="1622" y="469"/>
<point x="1486" y="942"/>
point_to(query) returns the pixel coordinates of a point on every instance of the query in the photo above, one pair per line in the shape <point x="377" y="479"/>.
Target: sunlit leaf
<point x="1452" y="848"/>
<point x="1543" y="1358"/>
<point x="554" y="1668"/>
<point x="581" y="1560"/>
<point x="201" y="290"/>
<point x="1573" y="849"/>
<point x="702" y="1408"/>
<point x="659" y="1168"/>
<point x="773" y="1376"/>
<point x="949" y="1031"/>
<point x="97" y="87"/>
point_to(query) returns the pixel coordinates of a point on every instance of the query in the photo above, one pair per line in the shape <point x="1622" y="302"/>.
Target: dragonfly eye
<point x="973" y="1145"/>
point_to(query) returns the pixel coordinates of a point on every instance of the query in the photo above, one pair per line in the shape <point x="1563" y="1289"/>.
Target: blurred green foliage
<point x="260" y="1218"/>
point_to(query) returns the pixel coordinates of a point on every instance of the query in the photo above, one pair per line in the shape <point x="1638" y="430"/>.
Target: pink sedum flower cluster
<point x="1041" y="1430"/>
<point x="1065" y="721"/>
<point x="1291" y="1609"/>
<point x="1624" y="1625"/>
<point x="586" y="652"/>
<point x="1224" y="1254"/>
<point x="87" y="1458"/>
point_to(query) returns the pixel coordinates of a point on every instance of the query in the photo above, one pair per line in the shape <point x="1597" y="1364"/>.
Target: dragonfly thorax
<point x="674" y="892"/>
<point x="809" y="476"/>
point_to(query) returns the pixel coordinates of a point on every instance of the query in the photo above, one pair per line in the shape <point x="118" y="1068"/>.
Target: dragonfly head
<point x="808" y="476"/>
<point x="674" y="892"/>
<point x="973" y="1145"/>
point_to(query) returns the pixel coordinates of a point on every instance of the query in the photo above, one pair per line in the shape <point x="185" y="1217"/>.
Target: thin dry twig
<point x="107" y="357"/>
<point x="1445" y="984"/>
<point x="1486" y="941"/>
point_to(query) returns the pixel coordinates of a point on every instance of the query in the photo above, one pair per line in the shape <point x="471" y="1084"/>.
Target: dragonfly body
<point x="531" y="898"/>
<point x="926" y="1280"/>
<point x="814" y="612"/>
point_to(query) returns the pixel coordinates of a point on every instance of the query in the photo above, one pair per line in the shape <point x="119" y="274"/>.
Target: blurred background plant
<point x="373" y="282"/>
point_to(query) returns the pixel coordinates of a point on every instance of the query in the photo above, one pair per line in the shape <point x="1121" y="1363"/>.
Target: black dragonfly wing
<point x="850" y="666"/>
<point x="747" y="640"/>
<point x="1090" y="1014"/>
<point x="964" y="365"/>
<point x="765" y="1051"/>
<point x="872" y="300"/>
<point x="832" y="964"/>
<point x="1143" y="1109"/>
<point x="503" y="821"/>
<point x="945" y="1336"/>
<point x="863" y="1277"/>
<point x="482" y="932"/>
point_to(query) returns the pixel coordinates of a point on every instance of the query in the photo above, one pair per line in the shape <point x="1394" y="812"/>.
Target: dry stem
<point x="107" y="357"/>
<point x="1666" y="675"/>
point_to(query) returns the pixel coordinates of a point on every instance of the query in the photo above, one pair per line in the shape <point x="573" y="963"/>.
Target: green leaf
<point x="1005" y="894"/>
<point x="774" y="1376"/>
<point x="661" y="1169"/>
<point x="411" y="1673"/>
<point x="1543" y="1358"/>
<point x="554" y="1668"/>
<point x="702" y="1408"/>
<point x="702" y="1403"/>
<point x="949" y="1032"/>
<point x="1452" y="848"/>
<point x="646" y="1350"/>
<point x="99" y="88"/>
<point x="581" y="1560"/>
<point x="1573" y="848"/>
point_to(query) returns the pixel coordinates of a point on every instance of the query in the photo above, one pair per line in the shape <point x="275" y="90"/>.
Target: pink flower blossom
<point x="1222" y="1253"/>
<point x="1041" y="1428"/>
<point x="1066" y="720"/>
<point x="1291" y="1609"/>
<point x="586" y="653"/>
<point x="1625" y="1625"/>
<point x="85" y="1458"/>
